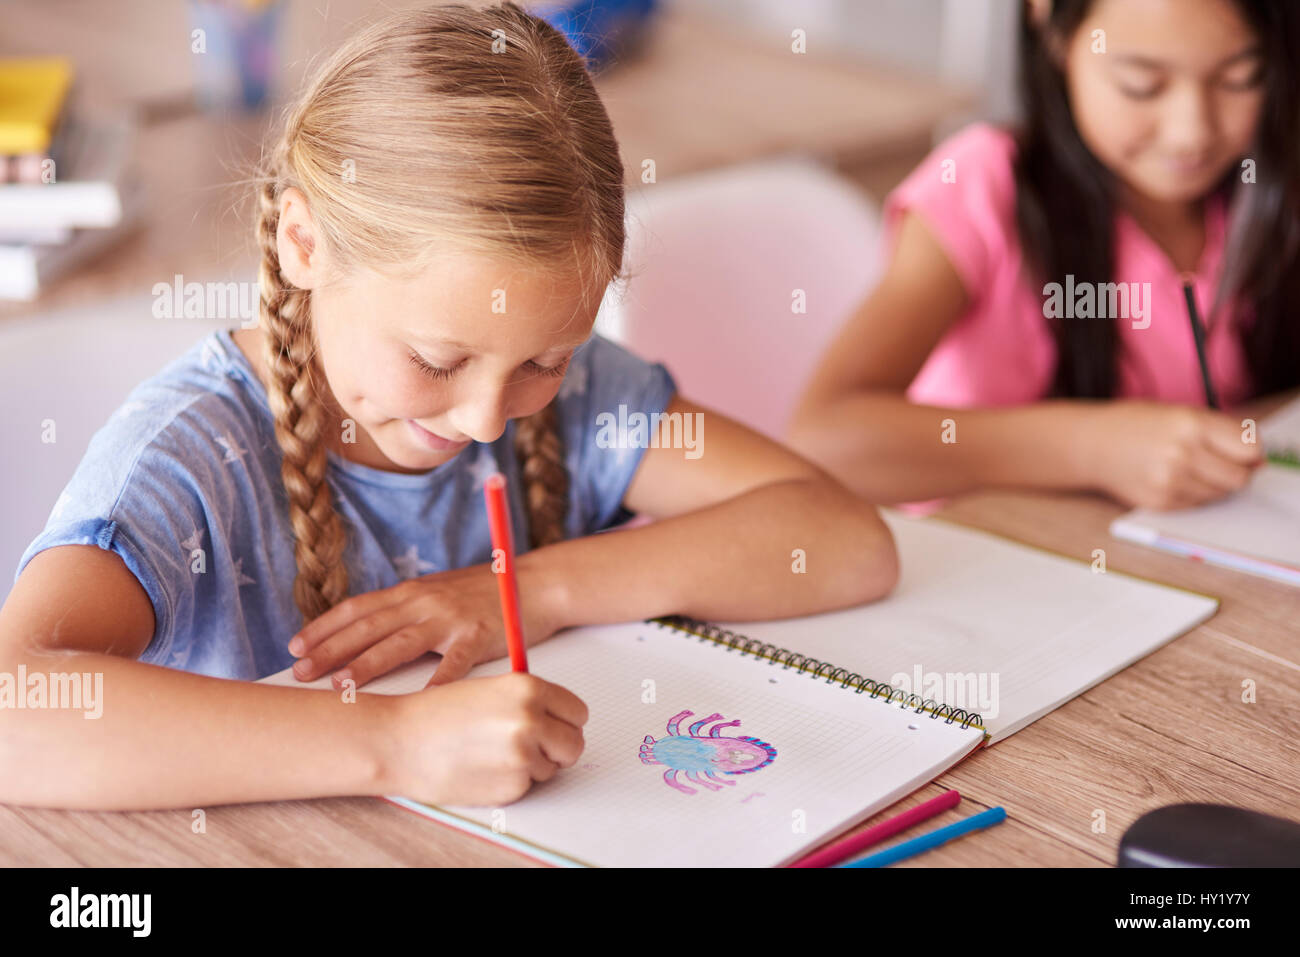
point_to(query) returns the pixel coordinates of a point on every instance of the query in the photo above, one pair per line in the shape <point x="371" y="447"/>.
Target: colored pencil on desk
<point x="494" y="495"/>
<point x="926" y="842"/>
<point x="840" y="850"/>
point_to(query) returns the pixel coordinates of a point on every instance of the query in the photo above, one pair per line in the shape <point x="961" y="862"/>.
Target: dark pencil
<point x="1198" y="333"/>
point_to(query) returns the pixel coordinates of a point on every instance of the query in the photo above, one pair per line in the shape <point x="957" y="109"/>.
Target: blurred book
<point x="32" y="95"/>
<point x="35" y="234"/>
<point x="67" y="190"/>
<point x="91" y="158"/>
<point x="26" y="268"/>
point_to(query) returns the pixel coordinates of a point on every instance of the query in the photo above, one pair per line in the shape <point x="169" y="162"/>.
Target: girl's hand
<point x="455" y="613"/>
<point x="1155" y="455"/>
<point x="483" y="741"/>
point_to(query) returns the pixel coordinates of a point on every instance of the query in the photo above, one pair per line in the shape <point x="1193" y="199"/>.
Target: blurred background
<point x="775" y="128"/>
<point x="697" y="85"/>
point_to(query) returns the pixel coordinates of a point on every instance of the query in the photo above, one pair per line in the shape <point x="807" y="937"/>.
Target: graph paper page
<point x="839" y="756"/>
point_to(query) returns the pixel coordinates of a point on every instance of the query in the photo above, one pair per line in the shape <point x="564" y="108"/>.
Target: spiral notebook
<point x="725" y="744"/>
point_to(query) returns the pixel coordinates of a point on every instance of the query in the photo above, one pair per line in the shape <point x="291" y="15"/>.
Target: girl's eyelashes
<point x="1137" y="81"/>
<point x="1238" y="80"/>
<point x="1139" y="93"/>
<point x="437" y="372"/>
<point x="1136" y="88"/>
<point x="1242" y="81"/>
<point x="557" y="370"/>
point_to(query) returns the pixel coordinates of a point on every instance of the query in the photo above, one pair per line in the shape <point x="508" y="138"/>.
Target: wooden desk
<point x="1170" y="728"/>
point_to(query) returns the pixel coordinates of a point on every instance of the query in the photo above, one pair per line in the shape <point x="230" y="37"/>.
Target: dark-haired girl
<point x="1031" y="327"/>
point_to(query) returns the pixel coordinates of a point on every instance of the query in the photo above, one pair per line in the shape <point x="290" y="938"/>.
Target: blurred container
<point x="240" y="51"/>
<point x="598" y="29"/>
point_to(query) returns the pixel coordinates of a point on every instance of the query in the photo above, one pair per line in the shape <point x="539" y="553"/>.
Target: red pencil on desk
<point x="503" y="547"/>
<point x="874" y="835"/>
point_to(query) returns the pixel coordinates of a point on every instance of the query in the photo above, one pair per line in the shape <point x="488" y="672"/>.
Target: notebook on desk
<point x="1256" y="530"/>
<point x="730" y="744"/>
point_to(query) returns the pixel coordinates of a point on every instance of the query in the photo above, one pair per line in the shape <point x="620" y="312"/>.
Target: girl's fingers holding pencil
<point x="482" y="741"/>
<point x="1183" y="487"/>
<point x="1225" y="474"/>
<point x="1193" y="491"/>
<point x="561" y="742"/>
<point x="540" y="767"/>
<point x="563" y="704"/>
<point x="1225" y="435"/>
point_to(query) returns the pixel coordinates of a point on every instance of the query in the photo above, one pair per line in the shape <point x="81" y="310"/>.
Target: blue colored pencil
<point x="926" y="842"/>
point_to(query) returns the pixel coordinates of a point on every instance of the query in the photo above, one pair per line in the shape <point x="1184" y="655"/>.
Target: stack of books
<point x="67" y="186"/>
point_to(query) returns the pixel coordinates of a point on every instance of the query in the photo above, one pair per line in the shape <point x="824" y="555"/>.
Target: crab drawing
<point x="701" y="755"/>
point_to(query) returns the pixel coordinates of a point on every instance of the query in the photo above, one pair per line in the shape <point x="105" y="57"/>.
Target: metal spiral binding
<point x="734" y="641"/>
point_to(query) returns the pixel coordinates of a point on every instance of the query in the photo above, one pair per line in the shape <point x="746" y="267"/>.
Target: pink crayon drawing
<point x="701" y="755"/>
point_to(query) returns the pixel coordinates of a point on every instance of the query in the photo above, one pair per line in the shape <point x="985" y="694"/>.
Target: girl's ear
<point x="300" y="261"/>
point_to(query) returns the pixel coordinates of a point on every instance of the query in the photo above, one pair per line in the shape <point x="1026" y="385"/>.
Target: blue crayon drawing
<point x="701" y="755"/>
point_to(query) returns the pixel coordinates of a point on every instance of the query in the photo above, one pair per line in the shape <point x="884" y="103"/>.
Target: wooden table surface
<point x="1171" y="728"/>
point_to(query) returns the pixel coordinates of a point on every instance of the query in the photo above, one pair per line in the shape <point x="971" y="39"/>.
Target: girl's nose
<point x="482" y="418"/>
<point x="1190" y="126"/>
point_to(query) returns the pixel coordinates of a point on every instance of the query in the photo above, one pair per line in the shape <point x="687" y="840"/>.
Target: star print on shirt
<point x="411" y="565"/>
<point x="483" y="467"/>
<point x="233" y="452"/>
<point x="240" y="578"/>
<point x="194" y="541"/>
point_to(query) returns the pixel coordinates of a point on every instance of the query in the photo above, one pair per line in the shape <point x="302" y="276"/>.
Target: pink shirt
<point x="1001" y="351"/>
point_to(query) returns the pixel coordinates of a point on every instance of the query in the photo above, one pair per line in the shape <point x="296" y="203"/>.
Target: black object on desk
<point x="1210" y="835"/>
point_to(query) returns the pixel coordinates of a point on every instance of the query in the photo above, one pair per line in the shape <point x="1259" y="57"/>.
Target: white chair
<point x="716" y="259"/>
<point x="72" y="369"/>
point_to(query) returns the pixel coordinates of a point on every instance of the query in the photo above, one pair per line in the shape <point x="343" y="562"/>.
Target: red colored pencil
<point x="874" y="835"/>
<point x="494" y="496"/>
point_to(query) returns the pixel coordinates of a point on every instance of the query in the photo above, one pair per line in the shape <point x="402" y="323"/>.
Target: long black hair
<point x="1058" y="180"/>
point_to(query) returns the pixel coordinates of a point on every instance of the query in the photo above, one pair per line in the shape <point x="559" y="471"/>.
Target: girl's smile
<point x="433" y="440"/>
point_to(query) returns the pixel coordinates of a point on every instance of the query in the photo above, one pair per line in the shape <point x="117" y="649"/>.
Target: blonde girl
<point x="438" y="223"/>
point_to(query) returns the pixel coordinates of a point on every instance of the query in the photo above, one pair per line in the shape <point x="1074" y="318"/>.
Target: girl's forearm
<point x="889" y="450"/>
<point x="166" y="738"/>
<point x="790" y="548"/>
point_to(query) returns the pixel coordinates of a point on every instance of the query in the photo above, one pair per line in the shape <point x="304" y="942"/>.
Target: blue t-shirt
<point x="183" y="482"/>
